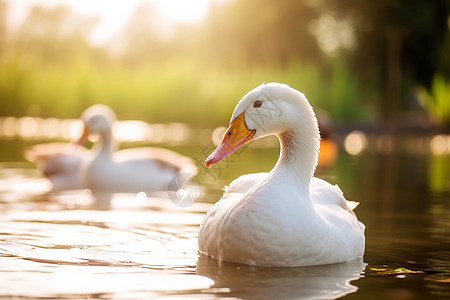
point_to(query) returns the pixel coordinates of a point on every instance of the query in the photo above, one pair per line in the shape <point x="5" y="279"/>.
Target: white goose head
<point x="274" y="109"/>
<point x="98" y="119"/>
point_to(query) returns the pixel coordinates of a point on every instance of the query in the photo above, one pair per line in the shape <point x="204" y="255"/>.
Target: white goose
<point x="132" y="170"/>
<point x="286" y="217"/>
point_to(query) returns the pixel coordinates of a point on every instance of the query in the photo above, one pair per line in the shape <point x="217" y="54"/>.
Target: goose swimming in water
<point x="286" y="217"/>
<point x="133" y="170"/>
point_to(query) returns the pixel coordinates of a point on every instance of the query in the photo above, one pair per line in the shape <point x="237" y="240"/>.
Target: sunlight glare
<point x="333" y="34"/>
<point x="440" y="144"/>
<point x="141" y="197"/>
<point x="27" y="127"/>
<point x="72" y="129"/>
<point x="131" y="131"/>
<point x="178" y="133"/>
<point x="355" y="142"/>
<point x="113" y="15"/>
<point x="217" y="135"/>
<point x="157" y="133"/>
<point x="182" y="11"/>
<point x="50" y="127"/>
<point x="8" y="126"/>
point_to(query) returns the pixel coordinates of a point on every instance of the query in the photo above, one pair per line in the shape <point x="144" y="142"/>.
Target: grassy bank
<point x="176" y="90"/>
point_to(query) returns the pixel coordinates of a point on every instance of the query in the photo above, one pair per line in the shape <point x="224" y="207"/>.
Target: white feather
<point x="286" y="217"/>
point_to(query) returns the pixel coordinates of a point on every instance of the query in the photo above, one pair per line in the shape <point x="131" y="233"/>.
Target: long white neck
<point x="106" y="144"/>
<point x="299" y="153"/>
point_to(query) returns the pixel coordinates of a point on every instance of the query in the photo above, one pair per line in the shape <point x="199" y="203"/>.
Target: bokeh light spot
<point x="355" y="142"/>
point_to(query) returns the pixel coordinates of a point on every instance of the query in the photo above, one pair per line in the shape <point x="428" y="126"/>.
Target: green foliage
<point x="48" y="67"/>
<point x="440" y="91"/>
<point x="436" y="102"/>
<point x="174" y="91"/>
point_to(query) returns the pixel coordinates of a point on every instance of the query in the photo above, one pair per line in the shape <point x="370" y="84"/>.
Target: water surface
<point x="60" y="246"/>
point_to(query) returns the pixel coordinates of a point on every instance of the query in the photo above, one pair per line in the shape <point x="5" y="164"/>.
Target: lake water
<point x="60" y="247"/>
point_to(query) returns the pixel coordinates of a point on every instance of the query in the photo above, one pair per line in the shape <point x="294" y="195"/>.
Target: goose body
<point x="60" y="163"/>
<point x="286" y="217"/>
<point x="142" y="169"/>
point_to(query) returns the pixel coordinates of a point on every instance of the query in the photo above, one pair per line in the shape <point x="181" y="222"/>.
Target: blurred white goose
<point x="285" y="217"/>
<point x="60" y="163"/>
<point x="132" y="170"/>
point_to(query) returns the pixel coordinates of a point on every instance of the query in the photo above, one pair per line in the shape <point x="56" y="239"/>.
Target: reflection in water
<point x="58" y="248"/>
<point x="249" y="282"/>
<point x="136" y="250"/>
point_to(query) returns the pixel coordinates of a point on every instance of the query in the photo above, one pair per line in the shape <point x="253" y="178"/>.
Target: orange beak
<point x="83" y="138"/>
<point x="236" y="135"/>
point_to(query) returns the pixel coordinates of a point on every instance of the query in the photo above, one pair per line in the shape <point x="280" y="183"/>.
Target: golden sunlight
<point x="113" y="15"/>
<point x="355" y="142"/>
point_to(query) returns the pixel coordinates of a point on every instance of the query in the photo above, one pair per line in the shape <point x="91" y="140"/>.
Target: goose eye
<point x="257" y="103"/>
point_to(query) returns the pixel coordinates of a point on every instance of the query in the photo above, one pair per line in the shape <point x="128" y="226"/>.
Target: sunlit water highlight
<point x="49" y="250"/>
<point x="59" y="246"/>
<point x="139" y="248"/>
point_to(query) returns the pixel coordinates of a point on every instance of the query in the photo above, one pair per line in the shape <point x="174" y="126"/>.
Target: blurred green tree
<point x="400" y="44"/>
<point x="348" y="56"/>
<point x="390" y="46"/>
<point x="262" y="31"/>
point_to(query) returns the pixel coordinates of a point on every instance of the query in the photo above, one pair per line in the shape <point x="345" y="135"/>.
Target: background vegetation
<point x="362" y="61"/>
